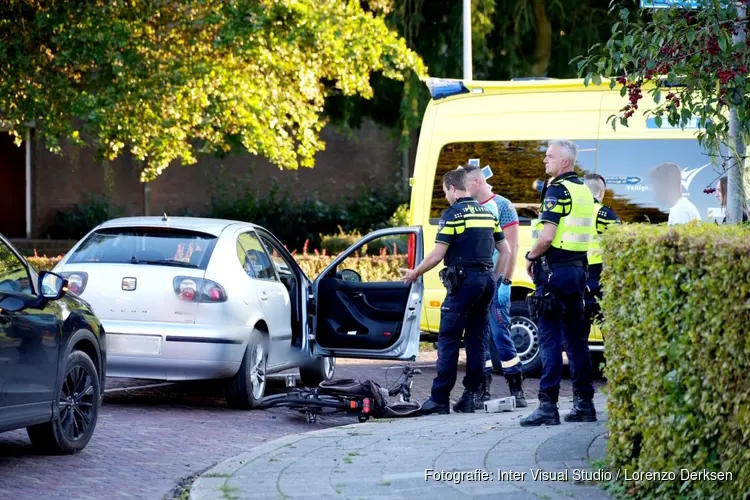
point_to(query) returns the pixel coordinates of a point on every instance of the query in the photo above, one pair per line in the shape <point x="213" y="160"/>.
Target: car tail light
<point x="412" y="251"/>
<point x="76" y="281"/>
<point x="198" y="290"/>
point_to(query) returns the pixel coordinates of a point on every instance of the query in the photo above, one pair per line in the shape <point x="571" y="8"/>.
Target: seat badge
<point x="128" y="284"/>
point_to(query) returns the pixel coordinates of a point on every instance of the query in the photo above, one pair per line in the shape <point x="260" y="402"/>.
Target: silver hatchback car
<point x="191" y="298"/>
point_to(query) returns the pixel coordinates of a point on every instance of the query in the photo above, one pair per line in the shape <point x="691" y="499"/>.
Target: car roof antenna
<point x="165" y="218"/>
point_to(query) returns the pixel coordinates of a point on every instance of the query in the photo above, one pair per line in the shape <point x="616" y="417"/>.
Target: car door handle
<point x="263" y="296"/>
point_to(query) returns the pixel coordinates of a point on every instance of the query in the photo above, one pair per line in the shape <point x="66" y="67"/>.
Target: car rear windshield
<point x="148" y="246"/>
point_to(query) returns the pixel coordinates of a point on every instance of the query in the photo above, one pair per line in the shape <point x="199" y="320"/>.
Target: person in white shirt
<point x="667" y="182"/>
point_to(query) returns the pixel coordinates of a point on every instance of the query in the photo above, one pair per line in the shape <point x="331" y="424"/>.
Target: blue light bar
<point x="441" y="88"/>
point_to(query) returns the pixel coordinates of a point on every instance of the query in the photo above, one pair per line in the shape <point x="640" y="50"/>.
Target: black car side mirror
<point x="350" y="275"/>
<point x="52" y="286"/>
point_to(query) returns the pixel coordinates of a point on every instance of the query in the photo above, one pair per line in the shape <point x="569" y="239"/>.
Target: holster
<point x="547" y="306"/>
<point x="452" y="277"/>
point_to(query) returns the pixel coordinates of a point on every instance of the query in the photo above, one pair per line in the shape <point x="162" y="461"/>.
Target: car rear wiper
<point x="163" y="262"/>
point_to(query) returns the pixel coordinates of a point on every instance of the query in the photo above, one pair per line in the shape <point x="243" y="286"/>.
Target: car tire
<point x="78" y="399"/>
<point x="246" y="389"/>
<point x="525" y="335"/>
<point x="321" y="370"/>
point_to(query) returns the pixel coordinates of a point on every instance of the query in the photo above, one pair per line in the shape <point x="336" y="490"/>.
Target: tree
<point x="694" y="63"/>
<point x="168" y="79"/>
<point x="510" y="38"/>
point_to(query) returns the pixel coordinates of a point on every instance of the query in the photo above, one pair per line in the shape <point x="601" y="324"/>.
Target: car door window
<point x="14" y="276"/>
<point x="379" y="260"/>
<point x="253" y="257"/>
<point x="283" y="266"/>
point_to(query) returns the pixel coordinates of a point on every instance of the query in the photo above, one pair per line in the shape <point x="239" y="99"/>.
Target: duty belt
<point x="572" y="263"/>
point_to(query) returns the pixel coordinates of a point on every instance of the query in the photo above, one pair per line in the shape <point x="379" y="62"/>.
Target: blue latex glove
<point x="503" y="293"/>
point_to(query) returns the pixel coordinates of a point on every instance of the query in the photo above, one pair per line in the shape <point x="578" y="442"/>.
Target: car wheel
<point x="78" y="401"/>
<point x="525" y="335"/>
<point x="245" y="390"/>
<point x="321" y="370"/>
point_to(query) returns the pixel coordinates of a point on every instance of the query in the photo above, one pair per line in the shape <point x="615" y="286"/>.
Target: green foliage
<point x="400" y="217"/>
<point x="510" y="39"/>
<point x="649" y="49"/>
<point x="300" y="222"/>
<point x="75" y="223"/>
<point x="371" y="268"/>
<point x="340" y="241"/>
<point x="43" y="263"/>
<point x="169" y="79"/>
<point x="678" y="354"/>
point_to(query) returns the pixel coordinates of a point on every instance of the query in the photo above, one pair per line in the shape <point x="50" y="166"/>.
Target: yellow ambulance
<point x="507" y="126"/>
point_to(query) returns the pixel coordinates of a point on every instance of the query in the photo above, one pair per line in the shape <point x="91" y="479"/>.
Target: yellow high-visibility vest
<point x="595" y="247"/>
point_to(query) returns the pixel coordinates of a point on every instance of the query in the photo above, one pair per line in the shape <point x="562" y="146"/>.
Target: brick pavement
<point x="390" y="459"/>
<point x="147" y="441"/>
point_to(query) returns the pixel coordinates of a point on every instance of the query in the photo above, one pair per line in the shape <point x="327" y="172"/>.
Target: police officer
<point x="467" y="235"/>
<point x="604" y="217"/>
<point x="557" y="264"/>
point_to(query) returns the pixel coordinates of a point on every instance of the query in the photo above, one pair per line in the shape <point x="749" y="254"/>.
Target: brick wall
<point x="370" y="157"/>
<point x="49" y="248"/>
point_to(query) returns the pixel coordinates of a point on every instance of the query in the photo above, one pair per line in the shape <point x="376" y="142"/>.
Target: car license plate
<point x="133" y="344"/>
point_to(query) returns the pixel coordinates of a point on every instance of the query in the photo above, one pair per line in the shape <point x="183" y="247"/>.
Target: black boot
<point x="583" y="411"/>
<point x="485" y="389"/>
<point x="515" y="384"/>
<point x="483" y="394"/>
<point x="466" y="403"/>
<point x="546" y="414"/>
<point x="430" y="407"/>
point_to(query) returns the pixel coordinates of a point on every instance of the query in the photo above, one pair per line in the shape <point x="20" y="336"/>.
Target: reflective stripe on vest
<point x="595" y="248"/>
<point x="574" y="231"/>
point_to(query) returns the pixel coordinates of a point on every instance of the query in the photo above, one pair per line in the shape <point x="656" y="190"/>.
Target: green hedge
<point x="300" y="222"/>
<point x="75" y="223"/>
<point x="677" y="313"/>
<point x="371" y="268"/>
<point x="303" y="222"/>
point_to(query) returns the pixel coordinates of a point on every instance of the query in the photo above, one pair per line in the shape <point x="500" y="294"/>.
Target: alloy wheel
<point x="258" y="371"/>
<point x="525" y="336"/>
<point x="77" y="403"/>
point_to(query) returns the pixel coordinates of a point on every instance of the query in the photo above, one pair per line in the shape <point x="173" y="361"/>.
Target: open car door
<point x="363" y="309"/>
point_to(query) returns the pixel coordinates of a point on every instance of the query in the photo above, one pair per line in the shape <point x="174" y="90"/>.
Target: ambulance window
<point x="625" y="165"/>
<point x="515" y="166"/>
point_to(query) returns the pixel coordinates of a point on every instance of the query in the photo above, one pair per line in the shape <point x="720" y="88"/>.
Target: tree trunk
<point x="735" y="183"/>
<point x="543" y="48"/>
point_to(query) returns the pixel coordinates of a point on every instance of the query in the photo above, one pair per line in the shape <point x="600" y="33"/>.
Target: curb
<point x="211" y="480"/>
<point x="205" y="486"/>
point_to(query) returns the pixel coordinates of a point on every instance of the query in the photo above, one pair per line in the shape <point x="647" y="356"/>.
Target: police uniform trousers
<point x="565" y="326"/>
<point x="465" y="310"/>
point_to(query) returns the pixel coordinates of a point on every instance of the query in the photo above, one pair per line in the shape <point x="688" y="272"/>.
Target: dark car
<point x="52" y="357"/>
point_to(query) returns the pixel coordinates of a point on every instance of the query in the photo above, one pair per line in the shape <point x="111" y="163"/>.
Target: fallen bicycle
<point x="367" y="399"/>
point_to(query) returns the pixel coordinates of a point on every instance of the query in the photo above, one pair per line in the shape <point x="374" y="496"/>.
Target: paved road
<point x="435" y="457"/>
<point x="149" y="440"/>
